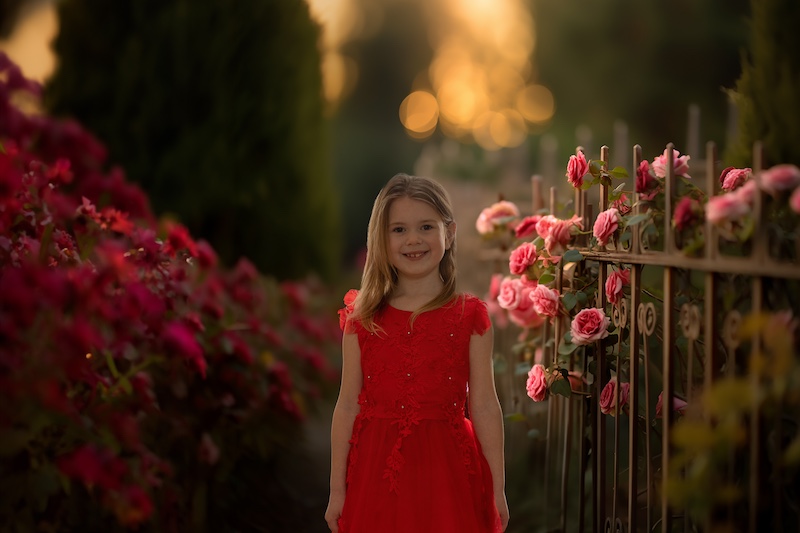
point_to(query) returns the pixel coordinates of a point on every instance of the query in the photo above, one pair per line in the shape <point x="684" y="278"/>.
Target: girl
<point x="404" y="459"/>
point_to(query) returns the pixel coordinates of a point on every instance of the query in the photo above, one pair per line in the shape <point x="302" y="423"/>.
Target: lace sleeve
<point x="345" y="323"/>
<point x="480" y="317"/>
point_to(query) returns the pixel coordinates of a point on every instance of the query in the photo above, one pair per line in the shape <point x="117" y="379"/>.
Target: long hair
<point x="379" y="279"/>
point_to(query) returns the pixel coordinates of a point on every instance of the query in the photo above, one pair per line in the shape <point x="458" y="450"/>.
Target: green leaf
<point x="581" y="296"/>
<point x="618" y="188"/>
<point x="636" y="219"/>
<point x="571" y="256"/>
<point x="618" y="172"/>
<point x="570" y="300"/>
<point x="546" y="278"/>
<point x="522" y="369"/>
<point x="566" y="348"/>
<point x="561" y="387"/>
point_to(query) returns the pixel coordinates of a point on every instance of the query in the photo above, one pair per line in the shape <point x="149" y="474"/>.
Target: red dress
<point x="415" y="464"/>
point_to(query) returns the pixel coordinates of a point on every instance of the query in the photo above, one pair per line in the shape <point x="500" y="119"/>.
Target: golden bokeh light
<point x="419" y="114"/>
<point x="29" y="45"/>
<point x="536" y="103"/>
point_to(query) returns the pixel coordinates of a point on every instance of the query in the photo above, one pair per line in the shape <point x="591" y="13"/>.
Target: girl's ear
<point x="450" y="235"/>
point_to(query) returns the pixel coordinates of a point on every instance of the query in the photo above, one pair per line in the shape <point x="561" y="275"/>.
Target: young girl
<point x="404" y="459"/>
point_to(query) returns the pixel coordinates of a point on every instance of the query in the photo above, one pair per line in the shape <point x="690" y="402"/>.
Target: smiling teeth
<point x="414" y="256"/>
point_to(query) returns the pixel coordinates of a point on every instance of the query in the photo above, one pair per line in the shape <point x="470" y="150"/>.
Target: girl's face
<point x="417" y="238"/>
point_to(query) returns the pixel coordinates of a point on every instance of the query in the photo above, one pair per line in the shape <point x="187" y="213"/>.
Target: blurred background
<point x="268" y="128"/>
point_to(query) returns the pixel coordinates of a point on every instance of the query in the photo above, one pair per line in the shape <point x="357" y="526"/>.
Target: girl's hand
<point x="334" y="511"/>
<point x="502" y="509"/>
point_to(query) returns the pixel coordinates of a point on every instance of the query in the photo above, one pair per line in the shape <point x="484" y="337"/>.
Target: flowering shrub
<point x="138" y="375"/>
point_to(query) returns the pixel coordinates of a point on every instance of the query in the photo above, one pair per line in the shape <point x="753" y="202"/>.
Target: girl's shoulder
<point x="474" y="312"/>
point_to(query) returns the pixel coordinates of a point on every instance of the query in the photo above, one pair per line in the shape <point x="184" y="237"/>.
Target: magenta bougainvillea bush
<point x="135" y="371"/>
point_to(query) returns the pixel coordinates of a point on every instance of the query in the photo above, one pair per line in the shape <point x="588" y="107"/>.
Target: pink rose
<point x="780" y="178"/>
<point x="524" y="315"/>
<point x="589" y="325"/>
<point x="615" y="282"/>
<point x="537" y="383"/>
<point x="546" y="301"/>
<point x="496" y="216"/>
<point x="577" y="167"/>
<point x="622" y="205"/>
<point x="732" y="178"/>
<point x="794" y="201"/>
<point x="544" y="224"/>
<point x="522" y="258"/>
<point x="527" y="227"/>
<point x="559" y="234"/>
<point x="678" y="405"/>
<point x="606" y="224"/>
<point x="687" y="213"/>
<point x="680" y="164"/>
<point x="646" y="184"/>
<point x="509" y="295"/>
<point x="726" y="207"/>
<point x="608" y="397"/>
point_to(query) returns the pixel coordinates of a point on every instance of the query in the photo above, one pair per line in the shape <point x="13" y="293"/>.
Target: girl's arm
<point x="487" y="416"/>
<point x="344" y="414"/>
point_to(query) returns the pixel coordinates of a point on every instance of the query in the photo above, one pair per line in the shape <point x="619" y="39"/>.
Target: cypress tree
<point x="216" y="109"/>
<point x="767" y="94"/>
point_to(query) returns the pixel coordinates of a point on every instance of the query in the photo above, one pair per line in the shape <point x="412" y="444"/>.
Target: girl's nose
<point x="412" y="237"/>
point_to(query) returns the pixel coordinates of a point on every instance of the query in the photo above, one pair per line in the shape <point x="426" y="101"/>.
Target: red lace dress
<point x="415" y="464"/>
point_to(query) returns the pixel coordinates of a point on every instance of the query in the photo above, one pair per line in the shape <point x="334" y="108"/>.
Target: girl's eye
<point x="427" y="227"/>
<point x="397" y="230"/>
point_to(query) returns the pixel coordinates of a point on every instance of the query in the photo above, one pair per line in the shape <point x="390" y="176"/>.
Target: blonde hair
<point x="379" y="279"/>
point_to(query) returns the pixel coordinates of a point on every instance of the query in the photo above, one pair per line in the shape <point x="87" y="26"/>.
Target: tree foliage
<point x="767" y="94"/>
<point x="215" y="108"/>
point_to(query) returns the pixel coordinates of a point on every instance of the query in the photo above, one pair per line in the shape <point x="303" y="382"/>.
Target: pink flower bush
<point x="615" y="283"/>
<point x="558" y="233"/>
<point x="124" y="346"/>
<point x="609" y="395"/>
<point x="577" y="167"/>
<point x="589" y="325"/>
<point x="780" y="178"/>
<point x="730" y="207"/>
<point x="732" y="178"/>
<point x="680" y="164"/>
<point x="500" y="215"/>
<point x="537" y="383"/>
<point x="546" y="301"/>
<point x="522" y="258"/>
<point x="606" y="225"/>
<point x="678" y="405"/>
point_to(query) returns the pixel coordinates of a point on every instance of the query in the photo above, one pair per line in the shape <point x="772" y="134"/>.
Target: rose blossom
<point x="615" y="282"/>
<point x="544" y="225"/>
<point x="523" y="314"/>
<point x="488" y="219"/>
<point x="546" y="301"/>
<point x="559" y="234"/>
<point x="794" y="201"/>
<point x="646" y="183"/>
<point x="537" y="383"/>
<point x="687" y="213"/>
<point x="780" y="178"/>
<point x="678" y="405"/>
<point x="577" y="167"/>
<point x="622" y="205"/>
<point x="527" y="227"/>
<point x="732" y="178"/>
<point x="510" y="289"/>
<point x="522" y="258"/>
<point x="606" y="224"/>
<point x="608" y="397"/>
<point x="589" y="325"/>
<point x="680" y="164"/>
<point x="726" y="207"/>
<point x="495" y="310"/>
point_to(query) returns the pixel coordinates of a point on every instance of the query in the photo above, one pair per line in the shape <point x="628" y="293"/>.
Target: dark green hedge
<point x="216" y="109"/>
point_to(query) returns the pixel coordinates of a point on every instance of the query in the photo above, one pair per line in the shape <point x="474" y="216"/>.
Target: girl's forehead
<point x="407" y="209"/>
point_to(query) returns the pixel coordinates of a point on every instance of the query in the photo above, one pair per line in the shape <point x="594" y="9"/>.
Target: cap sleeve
<point x="346" y="312"/>
<point x="480" y="316"/>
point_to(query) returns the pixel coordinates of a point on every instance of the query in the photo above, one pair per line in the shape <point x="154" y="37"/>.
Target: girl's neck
<point x="411" y="295"/>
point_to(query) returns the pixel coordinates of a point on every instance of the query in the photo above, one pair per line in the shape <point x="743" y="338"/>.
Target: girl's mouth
<point x="415" y="255"/>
